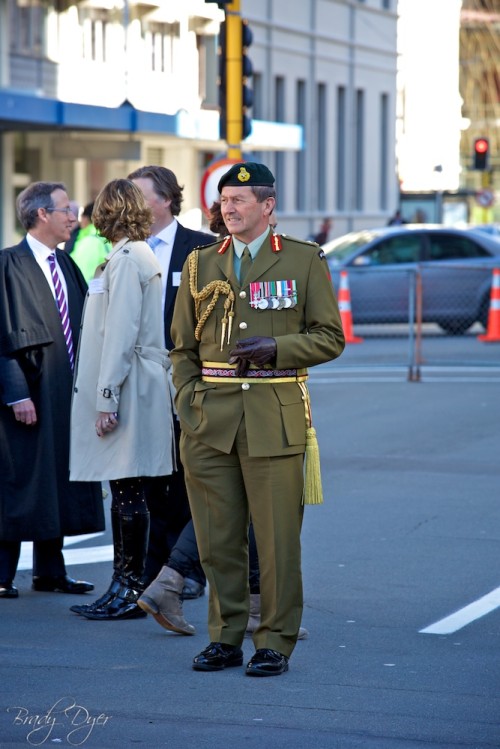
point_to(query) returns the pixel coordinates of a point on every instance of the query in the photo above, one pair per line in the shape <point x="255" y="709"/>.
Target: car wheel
<point x="455" y="327"/>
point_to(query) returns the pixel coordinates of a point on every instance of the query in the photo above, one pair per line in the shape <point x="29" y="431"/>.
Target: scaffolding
<point x="480" y="83"/>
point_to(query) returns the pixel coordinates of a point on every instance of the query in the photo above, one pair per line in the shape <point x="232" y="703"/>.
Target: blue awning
<point x="24" y="110"/>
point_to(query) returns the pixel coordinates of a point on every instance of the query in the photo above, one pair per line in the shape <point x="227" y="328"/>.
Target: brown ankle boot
<point x="162" y="599"/>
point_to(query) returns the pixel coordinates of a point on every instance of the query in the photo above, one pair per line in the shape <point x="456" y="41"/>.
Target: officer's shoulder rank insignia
<point x="276" y="243"/>
<point x="225" y="244"/>
<point x="299" y="241"/>
<point x="205" y="246"/>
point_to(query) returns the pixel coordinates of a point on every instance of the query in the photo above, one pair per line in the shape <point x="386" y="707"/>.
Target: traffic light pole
<point x="234" y="73"/>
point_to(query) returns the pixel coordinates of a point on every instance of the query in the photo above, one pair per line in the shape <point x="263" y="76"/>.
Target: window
<point x="384" y="150"/>
<point x="453" y="247"/>
<point x="161" y="39"/>
<point x="321" y="159"/>
<point x="396" y="250"/>
<point x="300" y="182"/>
<point x="257" y="97"/>
<point x="341" y="147"/>
<point x="95" y="24"/>
<point x="280" y="108"/>
<point x="27" y="27"/>
<point x="359" y="150"/>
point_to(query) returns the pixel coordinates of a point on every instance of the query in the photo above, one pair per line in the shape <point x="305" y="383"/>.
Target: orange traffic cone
<point x="345" y="309"/>
<point x="493" y="326"/>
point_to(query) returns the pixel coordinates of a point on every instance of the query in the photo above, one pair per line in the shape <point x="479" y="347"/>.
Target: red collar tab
<point x="224" y="245"/>
<point x="276" y="243"/>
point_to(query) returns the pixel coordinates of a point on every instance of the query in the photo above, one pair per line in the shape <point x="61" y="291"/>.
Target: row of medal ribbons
<point x="273" y="294"/>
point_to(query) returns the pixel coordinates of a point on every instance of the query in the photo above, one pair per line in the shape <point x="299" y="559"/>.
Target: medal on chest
<point x="273" y="294"/>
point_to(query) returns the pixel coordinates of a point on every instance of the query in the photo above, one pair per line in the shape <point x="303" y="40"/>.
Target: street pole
<point x="234" y="86"/>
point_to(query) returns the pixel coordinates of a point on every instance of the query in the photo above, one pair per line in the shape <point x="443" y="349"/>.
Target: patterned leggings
<point x="129" y="496"/>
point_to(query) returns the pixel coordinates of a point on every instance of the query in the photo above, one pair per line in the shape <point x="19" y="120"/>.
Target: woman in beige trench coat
<point x="121" y="417"/>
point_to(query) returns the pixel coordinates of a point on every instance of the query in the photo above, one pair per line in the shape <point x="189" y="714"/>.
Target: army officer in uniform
<point x="253" y="311"/>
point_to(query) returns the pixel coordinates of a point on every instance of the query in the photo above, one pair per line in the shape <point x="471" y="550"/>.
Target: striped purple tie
<point x="63" y="309"/>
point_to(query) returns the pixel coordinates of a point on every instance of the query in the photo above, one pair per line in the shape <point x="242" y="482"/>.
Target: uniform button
<point x="243" y="325"/>
<point x="243" y="294"/>
<point x="246" y="386"/>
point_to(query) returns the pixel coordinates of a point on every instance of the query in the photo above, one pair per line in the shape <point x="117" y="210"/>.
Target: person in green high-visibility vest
<point x="90" y="249"/>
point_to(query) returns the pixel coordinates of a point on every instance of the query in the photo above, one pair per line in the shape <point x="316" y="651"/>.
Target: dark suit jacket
<point x="185" y="241"/>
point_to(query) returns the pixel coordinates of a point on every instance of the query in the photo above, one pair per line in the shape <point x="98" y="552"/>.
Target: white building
<point x="90" y="90"/>
<point x="430" y="112"/>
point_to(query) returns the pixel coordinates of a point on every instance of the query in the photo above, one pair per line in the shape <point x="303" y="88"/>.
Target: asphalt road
<point x="409" y="535"/>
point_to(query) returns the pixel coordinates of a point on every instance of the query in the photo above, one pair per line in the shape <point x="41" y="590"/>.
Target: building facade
<point x="90" y="90"/>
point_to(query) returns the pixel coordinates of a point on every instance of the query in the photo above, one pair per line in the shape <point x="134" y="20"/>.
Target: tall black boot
<point x="134" y="535"/>
<point x="80" y="608"/>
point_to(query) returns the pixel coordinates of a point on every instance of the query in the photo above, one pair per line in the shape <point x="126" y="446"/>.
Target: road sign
<point x="210" y="180"/>
<point x="485" y="198"/>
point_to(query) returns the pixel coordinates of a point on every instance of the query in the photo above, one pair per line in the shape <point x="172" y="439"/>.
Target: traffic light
<point x="222" y="82"/>
<point x="235" y="69"/>
<point x="246" y="72"/>
<point x="481" y="154"/>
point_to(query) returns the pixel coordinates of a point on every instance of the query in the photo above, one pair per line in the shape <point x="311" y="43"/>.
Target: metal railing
<point x="433" y="320"/>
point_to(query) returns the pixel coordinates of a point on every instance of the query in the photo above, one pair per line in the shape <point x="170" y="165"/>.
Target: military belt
<point x="222" y="372"/>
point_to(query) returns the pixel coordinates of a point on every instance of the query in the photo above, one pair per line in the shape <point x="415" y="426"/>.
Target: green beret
<point x="247" y="173"/>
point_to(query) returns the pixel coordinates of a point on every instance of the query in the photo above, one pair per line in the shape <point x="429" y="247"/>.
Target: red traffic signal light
<point x="481" y="153"/>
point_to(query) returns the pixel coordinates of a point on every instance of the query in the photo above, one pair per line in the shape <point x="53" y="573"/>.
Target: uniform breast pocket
<point x="284" y="321"/>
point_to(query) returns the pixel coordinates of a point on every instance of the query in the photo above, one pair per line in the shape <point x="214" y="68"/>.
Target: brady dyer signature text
<point x="65" y="717"/>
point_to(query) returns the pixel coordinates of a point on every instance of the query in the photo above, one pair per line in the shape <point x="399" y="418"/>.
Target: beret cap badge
<point x="248" y="173"/>
<point x="243" y="175"/>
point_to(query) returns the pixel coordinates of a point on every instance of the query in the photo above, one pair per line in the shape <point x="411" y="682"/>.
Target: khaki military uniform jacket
<point x="307" y="333"/>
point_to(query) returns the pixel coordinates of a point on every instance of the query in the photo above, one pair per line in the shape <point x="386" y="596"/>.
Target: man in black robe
<point x="37" y="501"/>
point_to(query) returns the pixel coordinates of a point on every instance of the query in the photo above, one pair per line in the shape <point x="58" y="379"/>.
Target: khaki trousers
<point x="224" y="490"/>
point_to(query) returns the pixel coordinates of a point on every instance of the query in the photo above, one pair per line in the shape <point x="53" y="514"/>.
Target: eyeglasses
<point x="66" y="210"/>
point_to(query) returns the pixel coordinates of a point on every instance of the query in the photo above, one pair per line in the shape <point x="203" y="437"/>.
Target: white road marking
<point x="88" y="555"/>
<point x="465" y="616"/>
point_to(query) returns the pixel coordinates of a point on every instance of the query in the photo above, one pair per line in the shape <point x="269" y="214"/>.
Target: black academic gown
<point x="37" y="500"/>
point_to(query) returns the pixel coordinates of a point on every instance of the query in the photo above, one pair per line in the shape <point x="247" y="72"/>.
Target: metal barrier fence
<point x="431" y="315"/>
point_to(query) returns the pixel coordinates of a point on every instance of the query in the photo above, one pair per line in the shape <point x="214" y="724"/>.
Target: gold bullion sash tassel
<point x="313" y="489"/>
<point x="214" y="289"/>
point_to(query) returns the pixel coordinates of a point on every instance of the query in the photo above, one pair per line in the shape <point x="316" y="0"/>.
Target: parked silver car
<point x="454" y="265"/>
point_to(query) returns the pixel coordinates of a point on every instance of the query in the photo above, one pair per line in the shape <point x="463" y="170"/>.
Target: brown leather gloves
<point x="257" y="350"/>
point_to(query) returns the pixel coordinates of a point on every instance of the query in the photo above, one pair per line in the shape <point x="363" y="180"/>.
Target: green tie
<point x="246" y="264"/>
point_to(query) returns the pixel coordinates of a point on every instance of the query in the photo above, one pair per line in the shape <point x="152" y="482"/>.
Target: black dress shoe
<point x="217" y="656"/>
<point x="61" y="584"/>
<point x="7" y="590"/>
<point x="267" y="662"/>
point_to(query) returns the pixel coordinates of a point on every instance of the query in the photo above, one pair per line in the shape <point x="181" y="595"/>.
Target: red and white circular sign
<point x="485" y="198"/>
<point x="210" y="180"/>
